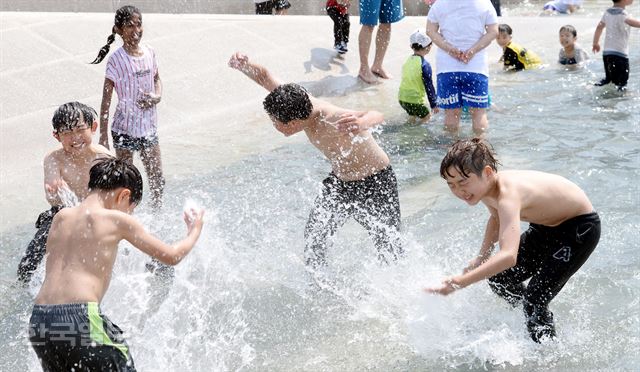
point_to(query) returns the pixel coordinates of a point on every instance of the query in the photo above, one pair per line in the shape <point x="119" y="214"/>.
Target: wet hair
<point x="123" y="15"/>
<point x="504" y="28"/>
<point x="288" y="102"/>
<point x="71" y="115"/>
<point x="417" y="46"/>
<point x="469" y="156"/>
<point x="569" y="28"/>
<point x="111" y="173"/>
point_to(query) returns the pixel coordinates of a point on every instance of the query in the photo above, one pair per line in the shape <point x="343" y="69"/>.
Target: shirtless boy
<point x="362" y="184"/>
<point x="66" y="174"/>
<point x="67" y="328"/>
<point x="563" y="231"/>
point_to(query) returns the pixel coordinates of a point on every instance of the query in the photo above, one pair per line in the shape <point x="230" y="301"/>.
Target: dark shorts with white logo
<point x="548" y="256"/>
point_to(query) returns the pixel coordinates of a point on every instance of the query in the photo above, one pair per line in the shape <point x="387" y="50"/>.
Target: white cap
<point x="419" y="37"/>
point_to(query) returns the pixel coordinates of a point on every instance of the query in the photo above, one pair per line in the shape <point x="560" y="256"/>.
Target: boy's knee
<point x="510" y="293"/>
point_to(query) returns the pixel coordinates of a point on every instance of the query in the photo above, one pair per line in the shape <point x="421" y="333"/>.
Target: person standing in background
<point x="462" y="30"/>
<point x="371" y="12"/>
<point x="338" y="10"/>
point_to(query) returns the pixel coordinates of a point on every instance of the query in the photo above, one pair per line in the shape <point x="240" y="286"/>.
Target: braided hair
<point x="123" y="15"/>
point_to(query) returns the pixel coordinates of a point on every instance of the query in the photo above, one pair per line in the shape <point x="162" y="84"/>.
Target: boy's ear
<point x="94" y="126"/>
<point x="123" y="195"/>
<point x="487" y="171"/>
<point x="56" y="135"/>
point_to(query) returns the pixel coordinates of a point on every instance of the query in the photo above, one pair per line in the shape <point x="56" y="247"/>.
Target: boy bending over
<point x="67" y="328"/>
<point x="563" y="231"/>
<point x="362" y="184"/>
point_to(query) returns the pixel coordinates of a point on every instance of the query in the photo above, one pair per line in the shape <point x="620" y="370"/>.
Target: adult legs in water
<point x="383" y="36"/>
<point x="479" y="120"/>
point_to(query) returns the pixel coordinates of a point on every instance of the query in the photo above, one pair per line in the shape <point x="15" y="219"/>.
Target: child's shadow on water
<point x="322" y="59"/>
<point x="331" y="86"/>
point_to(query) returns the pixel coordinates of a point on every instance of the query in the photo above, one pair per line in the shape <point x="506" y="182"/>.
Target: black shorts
<point x="548" y="256"/>
<point x="373" y="202"/>
<point x="123" y="141"/>
<point x="35" y="251"/>
<point x="267" y="7"/>
<point x="415" y="109"/>
<point x="70" y="335"/>
<point x="616" y="69"/>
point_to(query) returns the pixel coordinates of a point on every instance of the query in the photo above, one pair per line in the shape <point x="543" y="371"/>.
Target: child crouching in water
<point x="81" y="249"/>
<point x="570" y="53"/>
<point x="417" y="80"/>
<point x="515" y="57"/>
<point x="563" y="231"/>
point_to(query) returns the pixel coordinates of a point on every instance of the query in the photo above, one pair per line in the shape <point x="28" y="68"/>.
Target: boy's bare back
<point x="355" y="154"/>
<point x="81" y="248"/>
<point x="83" y="240"/>
<point x="544" y="198"/>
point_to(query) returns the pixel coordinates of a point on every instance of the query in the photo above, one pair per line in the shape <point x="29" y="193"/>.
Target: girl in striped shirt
<point x="133" y="71"/>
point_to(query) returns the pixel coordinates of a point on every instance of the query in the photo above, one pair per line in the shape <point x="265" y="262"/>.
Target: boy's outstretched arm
<point x="491" y="236"/>
<point x="596" y="37"/>
<point x="256" y="72"/>
<point x="509" y="221"/>
<point x="135" y="233"/>
<point x="632" y="22"/>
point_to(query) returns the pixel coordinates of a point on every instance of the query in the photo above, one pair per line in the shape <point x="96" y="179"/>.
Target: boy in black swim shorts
<point x="563" y="231"/>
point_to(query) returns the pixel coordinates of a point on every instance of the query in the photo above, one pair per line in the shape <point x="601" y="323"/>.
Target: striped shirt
<point x="131" y="77"/>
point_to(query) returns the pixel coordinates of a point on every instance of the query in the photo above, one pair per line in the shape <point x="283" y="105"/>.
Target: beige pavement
<point x="210" y="115"/>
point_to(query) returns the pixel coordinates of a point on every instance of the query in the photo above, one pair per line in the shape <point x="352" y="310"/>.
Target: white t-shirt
<point x="131" y="77"/>
<point x="462" y="24"/>
<point x="616" y="39"/>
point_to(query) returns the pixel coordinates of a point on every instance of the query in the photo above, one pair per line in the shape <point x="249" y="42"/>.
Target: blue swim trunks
<point x="383" y="11"/>
<point x="456" y="89"/>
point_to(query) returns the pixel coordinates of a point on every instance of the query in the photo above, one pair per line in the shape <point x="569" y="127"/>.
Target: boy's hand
<point x="448" y="286"/>
<point x="52" y="188"/>
<point x="596" y="47"/>
<point x="194" y="220"/>
<point x="238" y="61"/>
<point x="349" y="123"/>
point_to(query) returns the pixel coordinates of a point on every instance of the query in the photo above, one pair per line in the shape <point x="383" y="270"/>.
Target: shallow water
<point x="243" y="301"/>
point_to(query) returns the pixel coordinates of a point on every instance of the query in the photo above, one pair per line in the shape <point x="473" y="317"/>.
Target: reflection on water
<point x="243" y="300"/>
